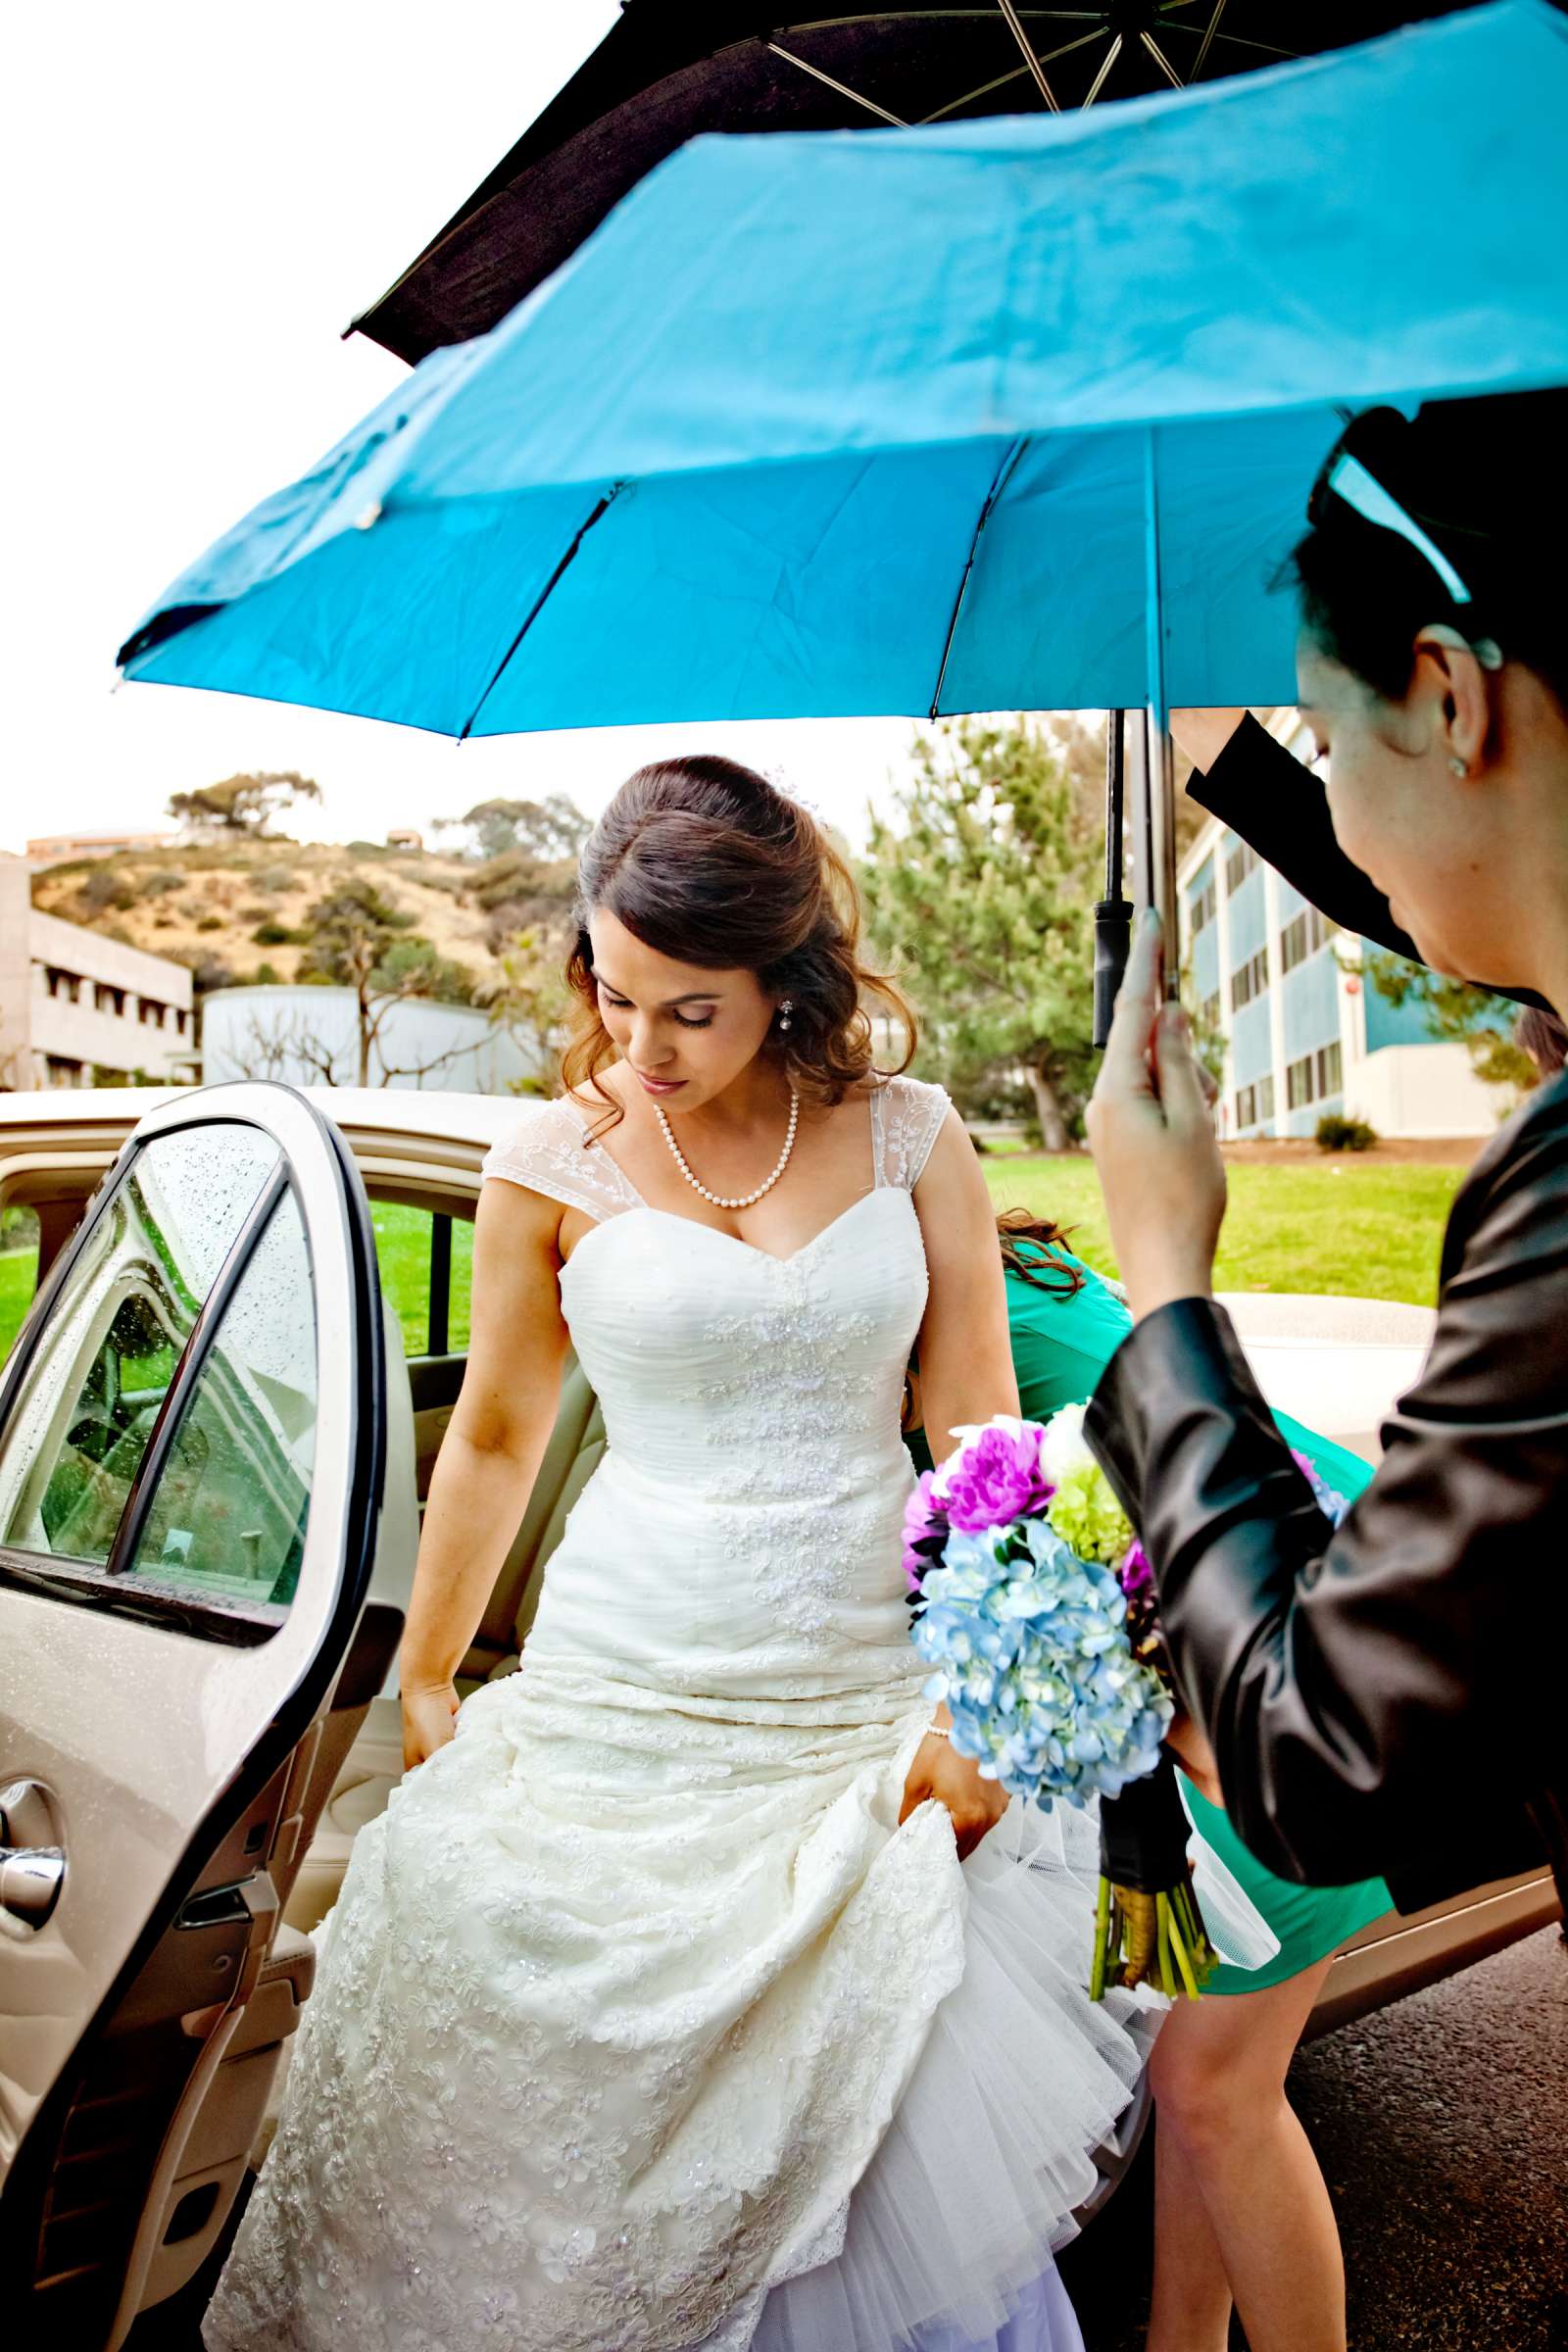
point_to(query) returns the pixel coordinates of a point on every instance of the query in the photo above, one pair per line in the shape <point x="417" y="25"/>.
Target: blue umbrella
<point x="992" y="415"/>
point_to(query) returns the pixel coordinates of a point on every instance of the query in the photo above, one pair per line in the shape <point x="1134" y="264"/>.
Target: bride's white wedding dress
<point x="640" y="2023"/>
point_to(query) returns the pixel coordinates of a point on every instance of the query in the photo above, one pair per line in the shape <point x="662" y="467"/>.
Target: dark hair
<point x="1541" y="1036"/>
<point x="1484" y="479"/>
<point x="1027" y="1246"/>
<point x="704" y="861"/>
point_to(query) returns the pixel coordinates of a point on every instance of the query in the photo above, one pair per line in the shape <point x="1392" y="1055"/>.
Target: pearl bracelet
<point x="939" y="1731"/>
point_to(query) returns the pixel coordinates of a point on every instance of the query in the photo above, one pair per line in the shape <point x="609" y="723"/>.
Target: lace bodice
<point x="552" y="1150"/>
<point x="752" y="1409"/>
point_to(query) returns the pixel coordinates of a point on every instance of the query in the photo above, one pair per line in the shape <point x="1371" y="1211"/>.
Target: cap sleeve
<point x="908" y="1115"/>
<point x="549" y="1151"/>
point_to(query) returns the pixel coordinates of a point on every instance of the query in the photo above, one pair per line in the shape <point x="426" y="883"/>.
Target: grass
<point x="403" y="1253"/>
<point x="1326" y="1227"/>
<point x="18" y="1278"/>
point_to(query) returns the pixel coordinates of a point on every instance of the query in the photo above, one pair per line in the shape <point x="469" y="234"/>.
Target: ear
<point x="1455" y="680"/>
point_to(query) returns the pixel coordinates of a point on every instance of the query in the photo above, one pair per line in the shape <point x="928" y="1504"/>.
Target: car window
<point x="103" y="1361"/>
<point x="228" y="1512"/>
<point x="19" y="1271"/>
<point x="426" y="1262"/>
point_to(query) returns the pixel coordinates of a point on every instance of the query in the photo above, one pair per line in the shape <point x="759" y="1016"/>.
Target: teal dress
<point x="1061" y="1346"/>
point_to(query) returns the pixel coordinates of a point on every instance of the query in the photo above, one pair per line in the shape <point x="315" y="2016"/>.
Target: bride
<point x="694" y="1991"/>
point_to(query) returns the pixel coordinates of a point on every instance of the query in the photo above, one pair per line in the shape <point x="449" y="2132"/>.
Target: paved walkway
<point x="1442" y="2125"/>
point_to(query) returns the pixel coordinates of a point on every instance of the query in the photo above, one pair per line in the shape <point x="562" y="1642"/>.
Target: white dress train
<point x="640" y="2023"/>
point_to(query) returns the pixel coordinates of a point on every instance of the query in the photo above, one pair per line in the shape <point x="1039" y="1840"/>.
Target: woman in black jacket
<point x="1383" y="1698"/>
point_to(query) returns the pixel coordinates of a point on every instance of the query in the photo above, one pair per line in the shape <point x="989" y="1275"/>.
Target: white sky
<point x="198" y="198"/>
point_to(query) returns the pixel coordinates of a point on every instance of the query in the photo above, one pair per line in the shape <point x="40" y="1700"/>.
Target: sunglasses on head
<point x="1348" y="480"/>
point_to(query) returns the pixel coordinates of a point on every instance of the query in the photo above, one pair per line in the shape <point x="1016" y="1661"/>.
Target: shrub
<point x="276" y="880"/>
<point x="272" y="935"/>
<point x="1336" y="1133"/>
<point x="104" y="888"/>
<point x="159" y="882"/>
<point x="210" y="922"/>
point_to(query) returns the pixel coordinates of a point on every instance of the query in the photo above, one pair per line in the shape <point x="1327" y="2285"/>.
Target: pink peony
<point x="996" y="1480"/>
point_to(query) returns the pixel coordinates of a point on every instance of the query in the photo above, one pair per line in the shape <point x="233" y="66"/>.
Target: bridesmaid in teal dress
<point x="1238" y="2189"/>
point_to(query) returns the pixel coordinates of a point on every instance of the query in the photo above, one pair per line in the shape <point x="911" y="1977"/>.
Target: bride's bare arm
<point x="966" y="1352"/>
<point x="965" y="1375"/>
<point x="490" y="1454"/>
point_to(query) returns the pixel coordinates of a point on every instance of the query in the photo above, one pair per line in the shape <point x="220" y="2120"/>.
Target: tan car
<point x="215" y="1441"/>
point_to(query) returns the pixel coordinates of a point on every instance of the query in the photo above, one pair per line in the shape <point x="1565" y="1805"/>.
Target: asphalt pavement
<point x="1442" y="2125"/>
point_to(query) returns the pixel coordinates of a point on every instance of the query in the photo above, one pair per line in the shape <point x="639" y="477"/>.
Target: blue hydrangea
<point x="1029" y="1650"/>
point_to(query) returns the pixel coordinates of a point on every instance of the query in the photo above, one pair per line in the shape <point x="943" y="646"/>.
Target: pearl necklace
<point x="780" y="1165"/>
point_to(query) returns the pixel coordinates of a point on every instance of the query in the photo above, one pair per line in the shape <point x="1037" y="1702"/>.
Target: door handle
<point x="33" y="1863"/>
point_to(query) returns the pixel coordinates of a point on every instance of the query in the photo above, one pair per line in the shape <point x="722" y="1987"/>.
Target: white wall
<point x="283" y="1033"/>
<point x="1424" y="1090"/>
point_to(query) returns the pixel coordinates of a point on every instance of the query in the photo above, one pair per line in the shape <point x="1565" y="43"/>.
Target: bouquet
<point x="1035" y="1610"/>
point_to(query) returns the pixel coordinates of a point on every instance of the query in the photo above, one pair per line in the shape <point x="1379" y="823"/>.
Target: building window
<point x="106" y="998"/>
<point x="1250" y="980"/>
<point x="1203" y="907"/>
<point x="150" y="1014"/>
<point x="1238" y="865"/>
<point x="1255" y="1103"/>
<point x="1330" y="1077"/>
<point x="1208" y="1012"/>
<point x="180" y="1019"/>
<point x="1303" y="937"/>
<point x="62" y="1071"/>
<point x="63" y="985"/>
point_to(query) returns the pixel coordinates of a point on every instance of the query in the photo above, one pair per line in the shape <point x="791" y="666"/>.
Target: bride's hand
<point x="976" y="1806"/>
<point x="428" y="1721"/>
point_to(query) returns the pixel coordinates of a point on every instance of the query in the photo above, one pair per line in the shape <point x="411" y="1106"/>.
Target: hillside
<point x="238" y="910"/>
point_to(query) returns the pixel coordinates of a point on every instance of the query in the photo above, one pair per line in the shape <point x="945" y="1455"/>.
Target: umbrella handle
<point x="1113" y="930"/>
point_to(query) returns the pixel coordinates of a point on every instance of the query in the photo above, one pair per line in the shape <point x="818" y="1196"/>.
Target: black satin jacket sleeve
<point x="1280" y="808"/>
<point x="1384" y="1698"/>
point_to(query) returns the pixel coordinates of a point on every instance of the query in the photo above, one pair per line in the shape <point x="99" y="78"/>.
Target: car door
<point x="192" y="1452"/>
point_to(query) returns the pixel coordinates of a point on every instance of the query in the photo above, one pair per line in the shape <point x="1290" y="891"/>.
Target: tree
<point x="1457" y="1011"/>
<point x="360" y="940"/>
<point x="980" y="889"/>
<point x="543" y="831"/>
<point x="242" y="804"/>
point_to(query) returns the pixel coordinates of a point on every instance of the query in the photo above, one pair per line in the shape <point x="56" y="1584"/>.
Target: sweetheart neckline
<point x="770" y="1257"/>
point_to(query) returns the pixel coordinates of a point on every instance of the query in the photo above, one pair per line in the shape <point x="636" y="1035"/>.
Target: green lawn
<point x="19" y="1277"/>
<point x="1361" y="1232"/>
<point x="403" y="1253"/>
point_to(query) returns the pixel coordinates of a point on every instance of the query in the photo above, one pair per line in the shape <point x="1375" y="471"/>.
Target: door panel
<point x="192" y="1461"/>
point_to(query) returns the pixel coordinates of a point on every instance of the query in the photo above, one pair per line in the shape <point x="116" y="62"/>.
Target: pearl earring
<point x="1458" y="766"/>
<point x="786" y="1015"/>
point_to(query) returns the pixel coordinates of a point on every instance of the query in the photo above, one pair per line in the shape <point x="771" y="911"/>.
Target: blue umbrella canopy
<point x="994" y="415"/>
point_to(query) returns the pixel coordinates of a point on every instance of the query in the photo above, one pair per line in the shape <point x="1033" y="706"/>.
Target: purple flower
<point x="1135" y="1574"/>
<point x="925" y="1531"/>
<point x="996" y="1479"/>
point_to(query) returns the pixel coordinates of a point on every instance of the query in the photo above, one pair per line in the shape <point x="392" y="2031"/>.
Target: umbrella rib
<point x="1010" y="456"/>
<point x="1161" y="60"/>
<point x="1015" y="27"/>
<point x="1016" y="74"/>
<point x="539" y="602"/>
<point x="842" y="87"/>
<point x="1208" y="40"/>
<point x="1098" y="82"/>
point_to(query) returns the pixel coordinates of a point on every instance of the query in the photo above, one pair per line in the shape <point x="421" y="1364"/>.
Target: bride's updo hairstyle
<point x="704" y="861"/>
<point x="1483" y="481"/>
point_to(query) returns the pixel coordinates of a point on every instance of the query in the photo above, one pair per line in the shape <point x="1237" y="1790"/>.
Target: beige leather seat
<point x="373" y="1766"/>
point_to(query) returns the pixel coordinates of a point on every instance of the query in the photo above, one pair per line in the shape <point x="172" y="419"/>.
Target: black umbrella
<point x="673" y="68"/>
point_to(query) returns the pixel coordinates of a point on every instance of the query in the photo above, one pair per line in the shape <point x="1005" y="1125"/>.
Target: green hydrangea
<point x="1085" y="1513"/>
